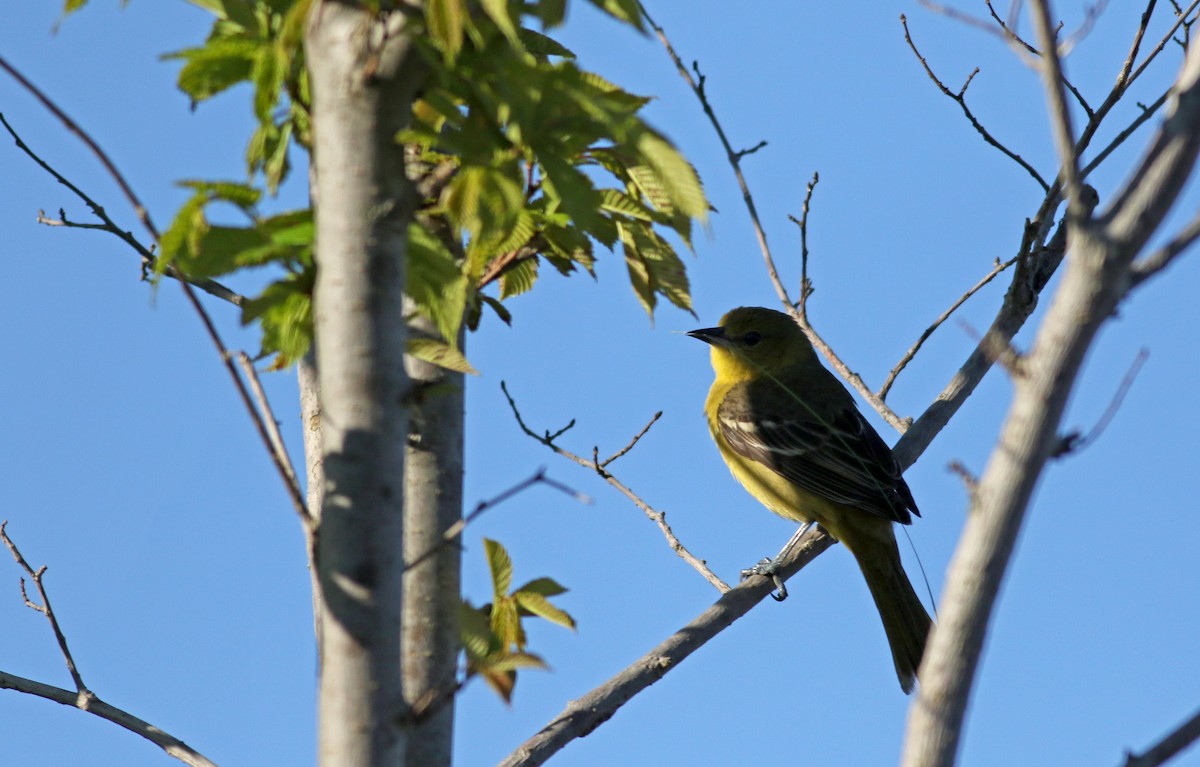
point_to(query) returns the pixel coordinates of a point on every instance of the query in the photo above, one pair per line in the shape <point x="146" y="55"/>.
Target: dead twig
<point x="659" y="518"/>
<point x="916" y="347"/>
<point x="83" y="698"/>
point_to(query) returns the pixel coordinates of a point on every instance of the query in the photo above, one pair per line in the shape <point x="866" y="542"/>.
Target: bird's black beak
<point x="709" y="335"/>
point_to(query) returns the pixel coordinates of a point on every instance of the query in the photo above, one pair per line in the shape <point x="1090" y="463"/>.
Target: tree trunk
<point x="433" y="498"/>
<point x="364" y="74"/>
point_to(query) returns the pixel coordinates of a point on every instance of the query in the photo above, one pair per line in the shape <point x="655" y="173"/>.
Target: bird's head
<point x="751" y="340"/>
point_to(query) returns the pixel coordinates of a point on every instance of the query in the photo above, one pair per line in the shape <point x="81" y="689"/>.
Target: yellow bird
<point x="792" y="435"/>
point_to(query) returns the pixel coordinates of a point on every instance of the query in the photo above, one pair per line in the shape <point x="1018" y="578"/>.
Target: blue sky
<point x="177" y="566"/>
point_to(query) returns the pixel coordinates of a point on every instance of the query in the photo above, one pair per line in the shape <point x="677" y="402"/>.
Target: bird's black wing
<point x="836" y="454"/>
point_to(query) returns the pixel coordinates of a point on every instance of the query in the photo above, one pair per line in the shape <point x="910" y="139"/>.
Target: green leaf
<point x="285" y="312"/>
<point x="435" y="282"/>
<point x="519" y="278"/>
<point x="506" y="623"/>
<point x="675" y="174"/>
<point x="541" y="607"/>
<point x="628" y="11"/>
<point x="547" y="587"/>
<point x="219" y="65"/>
<point x="497" y="11"/>
<point x="500" y="565"/>
<point x="501" y="311"/>
<point x="618" y="202"/>
<point x="511" y="661"/>
<point x="441" y="354"/>
<point x="445" y="19"/>
<point x="542" y="45"/>
<point x="475" y="631"/>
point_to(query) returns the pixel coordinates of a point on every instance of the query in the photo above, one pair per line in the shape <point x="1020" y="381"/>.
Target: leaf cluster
<point x="523" y="157"/>
<point x="493" y="635"/>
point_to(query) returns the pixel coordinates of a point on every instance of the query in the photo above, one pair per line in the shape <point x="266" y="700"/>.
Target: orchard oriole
<point x="792" y="435"/>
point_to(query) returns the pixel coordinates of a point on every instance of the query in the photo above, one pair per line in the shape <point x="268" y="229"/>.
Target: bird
<point x="792" y="435"/>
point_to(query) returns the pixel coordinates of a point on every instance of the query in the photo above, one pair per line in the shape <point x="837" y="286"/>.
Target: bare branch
<point x="1160" y="259"/>
<point x="960" y="99"/>
<point x="278" y="451"/>
<point x="455" y="531"/>
<point x="138" y="208"/>
<point x="47" y="610"/>
<point x="912" y="352"/>
<point x="1095" y="282"/>
<point x="82" y="698"/>
<point x="149" y="261"/>
<point x="166" y="741"/>
<point x="586" y="713"/>
<point x="1074" y="442"/>
<point x="632" y="442"/>
<point x="1167" y="748"/>
<point x="659" y="518"/>
<point x="806" y="287"/>
<point x="1060" y="114"/>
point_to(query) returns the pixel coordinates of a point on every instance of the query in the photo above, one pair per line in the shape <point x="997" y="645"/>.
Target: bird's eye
<point x="752" y="338"/>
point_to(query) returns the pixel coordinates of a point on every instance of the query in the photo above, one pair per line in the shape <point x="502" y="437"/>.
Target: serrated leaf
<point x="616" y="201"/>
<point x="237" y="193"/>
<point x="541" y="607"/>
<point x="500" y="565"/>
<point x="675" y="174"/>
<point x="542" y="45"/>
<point x="435" y="282"/>
<point x="511" y="661"/>
<point x="476" y="631"/>
<point x="284" y="310"/>
<point x="519" y="278"/>
<point x="506" y="623"/>
<point x="217" y="66"/>
<point x="445" y="20"/>
<point x="628" y="11"/>
<point x="497" y="11"/>
<point x="547" y="587"/>
<point x="501" y="311"/>
<point x="502" y="682"/>
<point x="441" y="354"/>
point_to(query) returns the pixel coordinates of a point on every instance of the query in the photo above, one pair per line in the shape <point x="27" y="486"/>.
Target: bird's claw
<point x="768" y="568"/>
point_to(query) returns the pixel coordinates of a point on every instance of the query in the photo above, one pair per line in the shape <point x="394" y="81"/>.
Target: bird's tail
<point x="904" y="617"/>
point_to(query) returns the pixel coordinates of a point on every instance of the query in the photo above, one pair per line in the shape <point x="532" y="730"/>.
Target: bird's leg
<point x="769" y="568"/>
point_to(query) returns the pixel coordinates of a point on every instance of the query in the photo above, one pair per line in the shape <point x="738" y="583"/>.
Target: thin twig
<point x="1074" y="442"/>
<point x="46" y="609"/>
<point x="960" y="99"/>
<point x="147" y="257"/>
<point x="138" y="208"/>
<point x="149" y="261"/>
<point x="806" y="287"/>
<point x="1147" y="267"/>
<point x="456" y="530"/>
<point x="916" y="347"/>
<point x="170" y="744"/>
<point x="82" y="698"/>
<point x="1181" y="20"/>
<point x="1060" y="114"/>
<point x="1171" y="745"/>
<point x="632" y="442"/>
<point x="278" y="451"/>
<point x="659" y="518"/>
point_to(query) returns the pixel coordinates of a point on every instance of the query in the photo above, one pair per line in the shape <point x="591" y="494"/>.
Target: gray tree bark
<point x="364" y="73"/>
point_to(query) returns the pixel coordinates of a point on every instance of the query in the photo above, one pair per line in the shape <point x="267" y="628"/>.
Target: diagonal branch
<point x="83" y="698"/>
<point x="659" y="518"/>
<point x="583" y="715"/>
